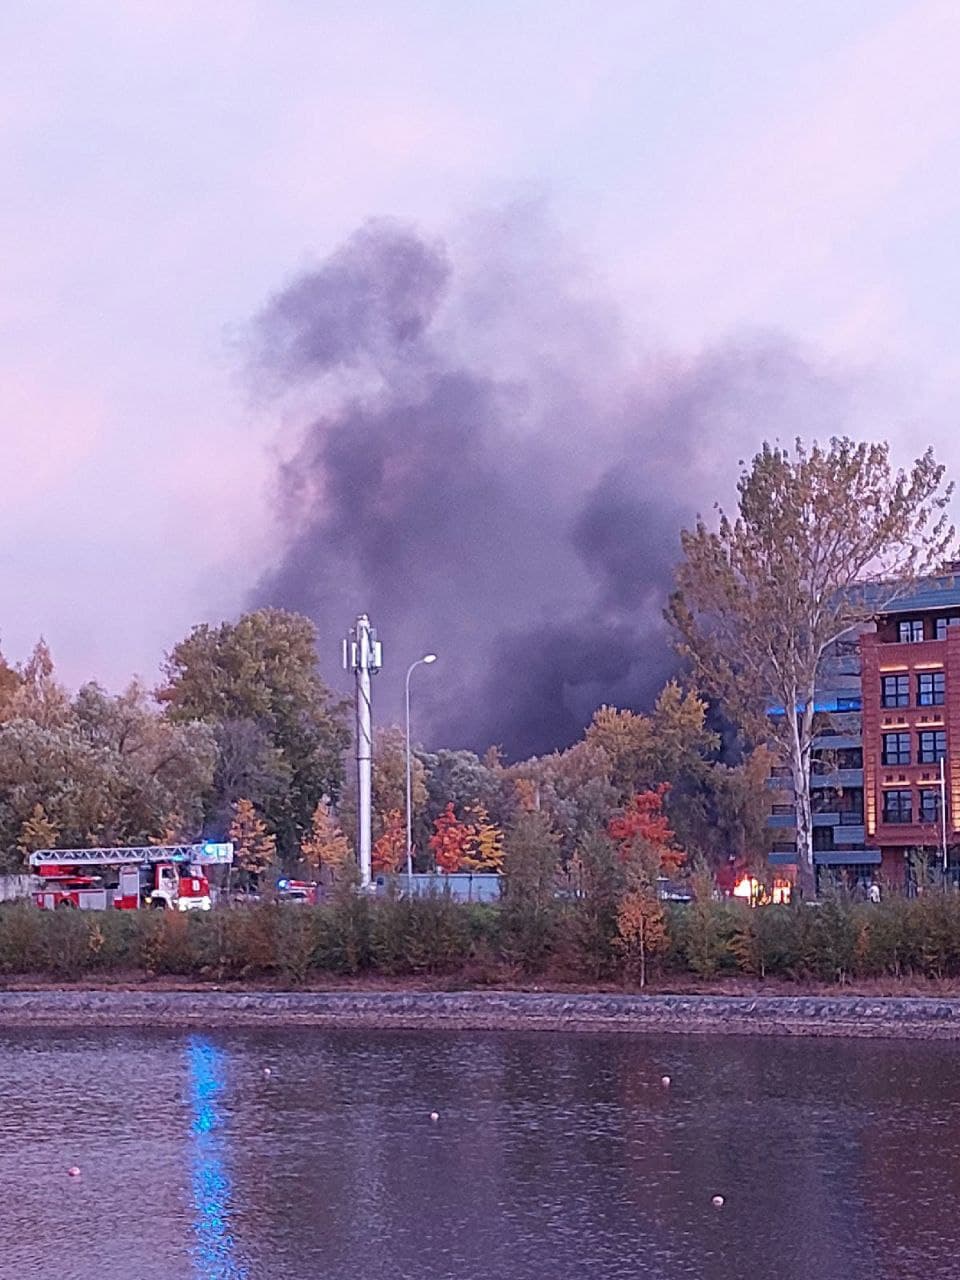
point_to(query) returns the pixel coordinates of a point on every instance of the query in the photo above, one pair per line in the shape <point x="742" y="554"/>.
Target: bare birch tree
<point x="826" y="537"/>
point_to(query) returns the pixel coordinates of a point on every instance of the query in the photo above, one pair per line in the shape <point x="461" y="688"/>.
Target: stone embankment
<point x="916" y="1018"/>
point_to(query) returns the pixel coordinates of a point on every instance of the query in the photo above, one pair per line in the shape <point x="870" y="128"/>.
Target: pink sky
<point x="725" y="167"/>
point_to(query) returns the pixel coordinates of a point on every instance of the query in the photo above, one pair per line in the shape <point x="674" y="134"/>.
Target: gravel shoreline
<point x="886" y="1016"/>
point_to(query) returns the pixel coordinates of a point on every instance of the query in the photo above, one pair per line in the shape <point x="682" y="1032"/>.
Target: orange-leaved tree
<point x="325" y="849"/>
<point x="642" y="833"/>
<point x="645" y="842"/>
<point x="253" y="845"/>
<point x="390" y="848"/>
<point x="641" y="930"/>
<point x="449" y="841"/>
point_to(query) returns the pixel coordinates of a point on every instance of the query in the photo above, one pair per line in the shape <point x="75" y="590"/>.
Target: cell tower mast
<point x="363" y="655"/>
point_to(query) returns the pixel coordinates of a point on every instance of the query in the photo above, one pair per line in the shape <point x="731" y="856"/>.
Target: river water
<point x="553" y="1156"/>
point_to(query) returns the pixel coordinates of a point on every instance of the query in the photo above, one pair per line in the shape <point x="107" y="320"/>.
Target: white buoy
<point x="73" y="1171"/>
<point x="717" y="1202"/>
<point x="267" y="1073"/>
<point x="434" y="1116"/>
<point x="665" y="1081"/>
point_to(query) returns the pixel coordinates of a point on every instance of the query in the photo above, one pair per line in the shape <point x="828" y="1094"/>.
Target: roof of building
<point x="941" y="591"/>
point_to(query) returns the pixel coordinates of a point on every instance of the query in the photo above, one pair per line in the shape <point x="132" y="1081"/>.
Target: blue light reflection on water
<point x="214" y="1251"/>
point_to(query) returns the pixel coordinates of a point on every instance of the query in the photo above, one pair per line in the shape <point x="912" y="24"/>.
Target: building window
<point x="823" y="838"/>
<point x="782" y="810"/>
<point x="896" y="748"/>
<point x="931" y="687"/>
<point x="895" y="691"/>
<point x="933" y="746"/>
<point x="849" y="758"/>
<point x="898" y="806"/>
<point x="943" y="624"/>
<point x="911" y="632"/>
<point x="929" y="804"/>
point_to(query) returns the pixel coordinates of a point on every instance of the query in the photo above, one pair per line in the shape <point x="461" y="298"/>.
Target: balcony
<point x="837" y="741"/>
<point x="847" y="858"/>
<point x="781" y="821"/>
<point x="848" y="835"/>
<point x="838" y="778"/>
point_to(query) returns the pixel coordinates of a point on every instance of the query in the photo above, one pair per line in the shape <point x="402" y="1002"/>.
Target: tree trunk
<point x="800" y="773"/>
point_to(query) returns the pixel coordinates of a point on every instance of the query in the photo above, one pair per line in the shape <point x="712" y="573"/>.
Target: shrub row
<point x="834" y="940"/>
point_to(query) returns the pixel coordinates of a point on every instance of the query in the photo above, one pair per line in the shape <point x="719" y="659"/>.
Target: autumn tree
<point x="449" y="841"/>
<point x="644" y="750"/>
<point x="483" y="849"/>
<point x="462" y="779"/>
<point x="254" y="847"/>
<point x="325" y="849"/>
<point x="39" y="696"/>
<point x="9" y="684"/>
<point x="389" y="850"/>
<point x="825" y="537"/>
<point x="643" y="834"/>
<point x="641" y="927"/>
<point x="37" y="832"/>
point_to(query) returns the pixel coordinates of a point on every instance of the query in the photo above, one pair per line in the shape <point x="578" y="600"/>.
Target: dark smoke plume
<point x="491" y="472"/>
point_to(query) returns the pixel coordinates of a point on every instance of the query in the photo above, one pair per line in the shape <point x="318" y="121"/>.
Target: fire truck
<point x="168" y="877"/>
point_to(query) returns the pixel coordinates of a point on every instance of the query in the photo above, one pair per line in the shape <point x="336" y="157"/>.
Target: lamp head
<point x="429" y="657"/>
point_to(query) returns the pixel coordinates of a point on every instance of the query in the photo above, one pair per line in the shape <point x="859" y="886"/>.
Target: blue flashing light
<point x="282" y="884"/>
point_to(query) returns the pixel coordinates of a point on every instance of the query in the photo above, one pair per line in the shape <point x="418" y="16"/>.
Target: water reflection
<point x="554" y="1157"/>
<point x="214" y="1251"/>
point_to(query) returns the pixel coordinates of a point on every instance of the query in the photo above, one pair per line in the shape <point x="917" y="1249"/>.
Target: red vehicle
<point x="304" y="891"/>
<point x="170" y="877"/>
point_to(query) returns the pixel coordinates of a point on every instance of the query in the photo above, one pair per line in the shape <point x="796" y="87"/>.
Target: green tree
<point x="529" y="913"/>
<point x="263" y="669"/>
<point x="596" y="877"/>
<point x="56" y="769"/>
<point x="157" y="769"/>
<point x="248" y="763"/>
<point x="573" y="788"/>
<point x="824" y="538"/>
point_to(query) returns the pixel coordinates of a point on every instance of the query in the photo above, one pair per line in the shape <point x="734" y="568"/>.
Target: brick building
<point x="888" y="713"/>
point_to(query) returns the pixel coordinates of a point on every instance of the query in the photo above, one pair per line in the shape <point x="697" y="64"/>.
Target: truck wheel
<point x="66" y="906"/>
<point x="158" y="904"/>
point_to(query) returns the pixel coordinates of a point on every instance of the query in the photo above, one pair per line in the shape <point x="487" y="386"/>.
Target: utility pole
<point x="943" y="815"/>
<point x="363" y="655"/>
<point x="426" y="660"/>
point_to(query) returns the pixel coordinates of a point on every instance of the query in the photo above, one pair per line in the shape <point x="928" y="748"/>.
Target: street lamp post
<point x="425" y="660"/>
